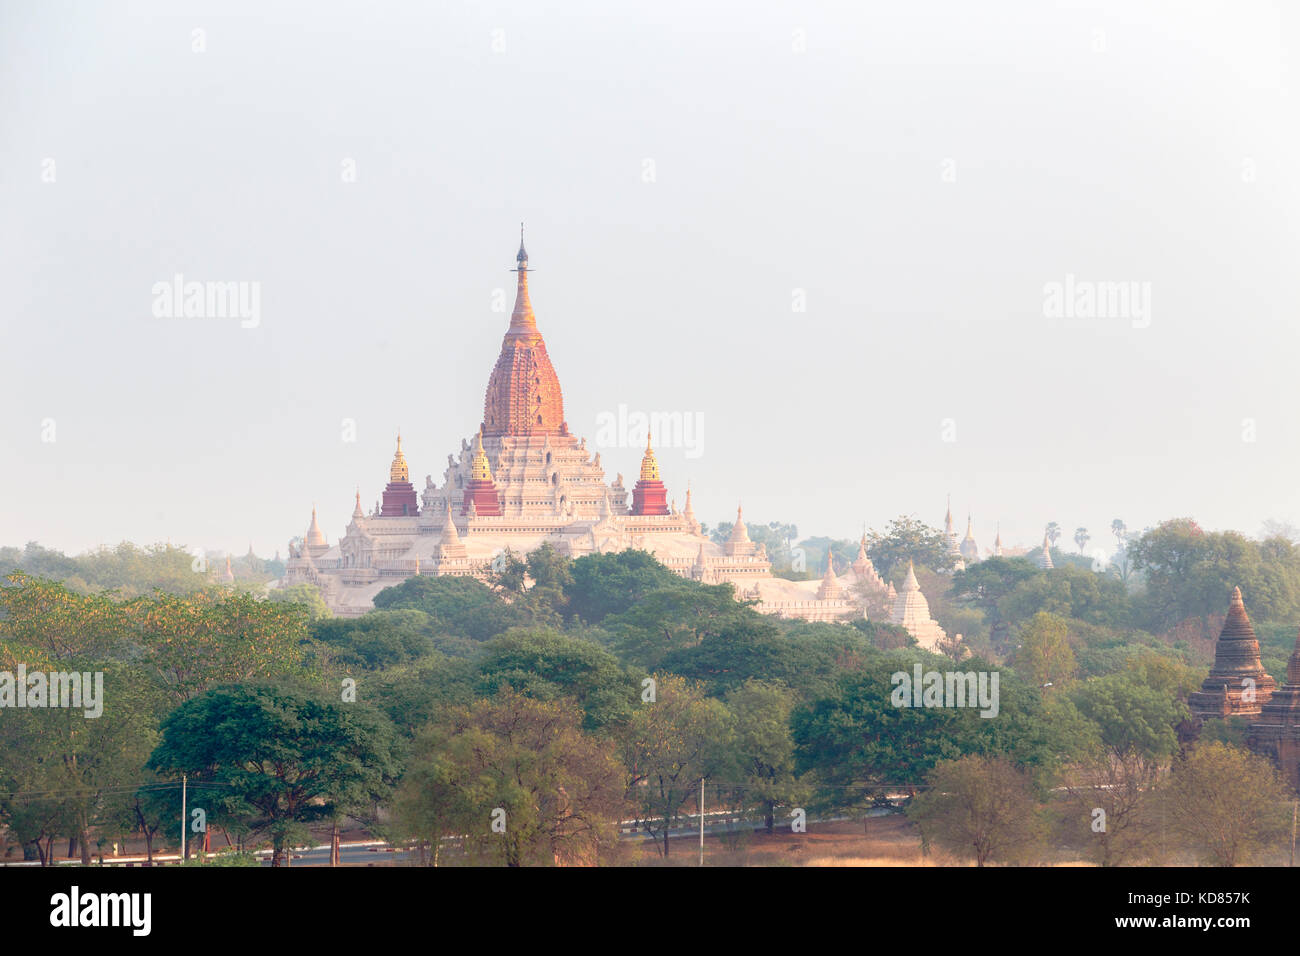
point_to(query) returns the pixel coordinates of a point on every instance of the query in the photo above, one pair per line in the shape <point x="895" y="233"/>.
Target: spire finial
<point x="522" y="257"/>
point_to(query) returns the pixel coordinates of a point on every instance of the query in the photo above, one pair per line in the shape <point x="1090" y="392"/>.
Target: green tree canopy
<point x="285" y="759"/>
<point x="546" y="664"/>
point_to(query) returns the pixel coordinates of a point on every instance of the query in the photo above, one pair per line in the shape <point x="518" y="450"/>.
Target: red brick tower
<point x="400" y="499"/>
<point x="1238" y="685"/>
<point x="523" y="393"/>
<point x="1277" y="733"/>
<point x="481" y="492"/>
<point x="649" y="496"/>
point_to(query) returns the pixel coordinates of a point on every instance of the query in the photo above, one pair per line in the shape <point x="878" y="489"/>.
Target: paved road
<point x="378" y="853"/>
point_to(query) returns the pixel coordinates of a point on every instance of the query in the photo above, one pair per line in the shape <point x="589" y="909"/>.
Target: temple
<point x="523" y="480"/>
<point x="912" y="612"/>
<point x="1238" y="685"/>
<point x="1277" y="733"/>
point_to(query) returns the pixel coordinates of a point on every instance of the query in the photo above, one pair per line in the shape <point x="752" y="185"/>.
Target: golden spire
<point x="479" y="470"/>
<point x="399" y="471"/>
<point x="649" y="467"/>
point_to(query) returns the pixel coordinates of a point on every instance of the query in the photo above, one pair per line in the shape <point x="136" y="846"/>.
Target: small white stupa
<point x="912" y="613"/>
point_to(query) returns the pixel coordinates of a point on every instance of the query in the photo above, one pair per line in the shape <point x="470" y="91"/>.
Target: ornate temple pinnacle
<point x="399" y="471"/>
<point x="523" y="394"/>
<point x="649" y="466"/>
<point x="480" y="470"/>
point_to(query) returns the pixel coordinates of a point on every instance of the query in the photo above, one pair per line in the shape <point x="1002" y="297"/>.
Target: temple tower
<point x="1042" y="558"/>
<point x="400" y="499"/>
<point x="738" y="543"/>
<point x="970" y="551"/>
<point x="1277" y="733"/>
<point x="912" y="613"/>
<point x="315" y="537"/>
<point x="829" y="589"/>
<point x="480" y="491"/>
<point x="1238" y="685"/>
<point x="523" y="393"/>
<point x="649" y="496"/>
<point x="950" y="536"/>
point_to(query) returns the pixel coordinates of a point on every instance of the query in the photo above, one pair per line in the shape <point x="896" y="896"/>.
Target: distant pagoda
<point x="481" y="499"/>
<point x="912" y="613"/>
<point x="1277" y="733"/>
<point x="400" y="498"/>
<point x="1238" y="685"/>
<point x="649" y="496"/>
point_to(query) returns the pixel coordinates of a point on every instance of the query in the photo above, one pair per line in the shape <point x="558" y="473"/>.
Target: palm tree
<point x="1053" y="532"/>
<point x="1081" y="538"/>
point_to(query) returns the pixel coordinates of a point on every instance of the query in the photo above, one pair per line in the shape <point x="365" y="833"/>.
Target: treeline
<point x="521" y="720"/>
<point x="131" y="570"/>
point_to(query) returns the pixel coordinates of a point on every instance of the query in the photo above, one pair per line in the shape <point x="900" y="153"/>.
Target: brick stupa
<point x="400" y="498"/>
<point x="481" y="498"/>
<point x="1277" y="733"/>
<point x="649" y="496"/>
<point x="1237" y="686"/>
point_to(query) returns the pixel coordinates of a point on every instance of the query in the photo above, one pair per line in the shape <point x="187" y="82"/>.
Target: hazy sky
<point x="911" y="175"/>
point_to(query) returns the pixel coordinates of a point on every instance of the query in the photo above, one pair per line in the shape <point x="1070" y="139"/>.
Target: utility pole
<point x="183" y="782"/>
<point x="701" y="821"/>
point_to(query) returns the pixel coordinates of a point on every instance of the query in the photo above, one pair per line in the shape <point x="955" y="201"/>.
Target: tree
<point x="609" y="584"/>
<point x="1190" y="573"/>
<point x="675" y="617"/>
<point x="508" y="573"/>
<point x="284" y="759"/>
<point x="1081" y="538"/>
<point x="546" y="664"/>
<point x="521" y="780"/>
<point x="65" y="767"/>
<point x="308" y="595"/>
<point x="1045" y="655"/>
<point x="1134" y="736"/>
<point x="763" y="748"/>
<point x="986" y="583"/>
<point x="1227" y="804"/>
<point x="552" y="576"/>
<point x="198" y="641"/>
<point x="1120" y="561"/>
<point x="1053" y="532"/>
<point x="668" y="746"/>
<point x="981" y="808"/>
<point x="858" y="740"/>
<point x="909" y="539"/>
<point x="461" y="606"/>
<point x="1081" y="594"/>
<point x="430" y="804"/>
<point x="378" y="639"/>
